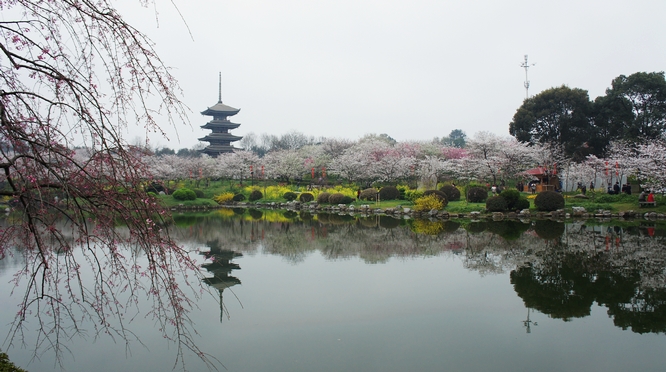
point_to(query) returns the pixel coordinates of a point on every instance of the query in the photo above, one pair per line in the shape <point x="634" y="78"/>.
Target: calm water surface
<point x="334" y="293"/>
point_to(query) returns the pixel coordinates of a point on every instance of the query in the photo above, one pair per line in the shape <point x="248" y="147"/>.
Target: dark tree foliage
<point x="633" y="109"/>
<point x="643" y="95"/>
<point x="559" y="116"/>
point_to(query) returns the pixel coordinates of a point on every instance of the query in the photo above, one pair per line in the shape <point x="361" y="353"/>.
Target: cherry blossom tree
<point x="76" y="72"/>
<point x="236" y="165"/>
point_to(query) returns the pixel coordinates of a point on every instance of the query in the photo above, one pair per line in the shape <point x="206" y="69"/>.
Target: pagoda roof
<point x="220" y="109"/>
<point x="220" y="124"/>
<point x="215" y="150"/>
<point x="220" y="137"/>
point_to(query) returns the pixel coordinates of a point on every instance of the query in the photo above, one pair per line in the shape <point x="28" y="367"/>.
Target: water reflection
<point x="558" y="269"/>
<point x="219" y="264"/>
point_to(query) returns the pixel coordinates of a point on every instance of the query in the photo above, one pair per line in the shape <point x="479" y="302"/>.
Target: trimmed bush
<point x="323" y="197"/>
<point x="306" y="197"/>
<point x="477" y="194"/>
<point x="389" y="193"/>
<point x="496" y="204"/>
<point x="289" y="196"/>
<point x="452" y="193"/>
<point x="368" y="194"/>
<point x="336" y="198"/>
<point x="238" y="197"/>
<point x="549" y="201"/>
<point x="184" y="194"/>
<point x="346" y="200"/>
<point x="437" y="194"/>
<point x="521" y="204"/>
<point x="255" y="195"/>
<point x="199" y="193"/>
<point x="511" y="196"/>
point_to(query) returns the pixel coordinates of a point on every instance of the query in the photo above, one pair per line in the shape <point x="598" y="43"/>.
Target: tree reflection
<point x="558" y="269"/>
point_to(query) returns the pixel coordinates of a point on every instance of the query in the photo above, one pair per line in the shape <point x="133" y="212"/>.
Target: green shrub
<point x="389" y="193"/>
<point x="521" y="204"/>
<point x="184" y="194"/>
<point x="511" y="196"/>
<point x="412" y="195"/>
<point x="452" y="193"/>
<point x="323" y="197"/>
<point x="368" y="194"/>
<point x="255" y="195"/>
<point x="199" y="193"/>
<point x="336" y="198"/>
<point x="428" y="202"/>
<point x="306" y="197"/>
<point x="477" y="194"/>
<point x="346" y="200"/>
<point x="548" y="201"/>
<point x="238" y="197"/>
<point x="496" y="204"/>
<point x="289" y="196"/>
<point x="437" y="194"/>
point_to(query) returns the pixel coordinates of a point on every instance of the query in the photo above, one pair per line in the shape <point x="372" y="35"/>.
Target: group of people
<point x="646" y="196"/>
<point x="616" y="189"/>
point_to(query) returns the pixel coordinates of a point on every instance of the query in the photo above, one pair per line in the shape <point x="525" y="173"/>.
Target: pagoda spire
<point x="219" y="93"/>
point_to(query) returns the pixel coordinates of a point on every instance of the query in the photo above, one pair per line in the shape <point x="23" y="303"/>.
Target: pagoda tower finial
<point x="219" y="93"/>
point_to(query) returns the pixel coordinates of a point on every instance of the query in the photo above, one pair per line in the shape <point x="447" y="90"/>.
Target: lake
<point x="297" y="292"/>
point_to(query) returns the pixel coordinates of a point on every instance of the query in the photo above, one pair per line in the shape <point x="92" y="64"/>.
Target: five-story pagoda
<point x="220" y="139"/>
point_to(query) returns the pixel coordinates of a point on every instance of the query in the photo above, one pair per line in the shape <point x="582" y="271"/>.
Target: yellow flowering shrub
<point x="427" y="203"/>
<point x="427" y="227"/>
<point x="224" y="197"/>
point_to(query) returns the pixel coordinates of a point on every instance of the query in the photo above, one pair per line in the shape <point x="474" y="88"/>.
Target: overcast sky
<point x="411" y="69"/>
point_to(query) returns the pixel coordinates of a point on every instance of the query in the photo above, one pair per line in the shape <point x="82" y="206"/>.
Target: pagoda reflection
<point x="220" y="266"/>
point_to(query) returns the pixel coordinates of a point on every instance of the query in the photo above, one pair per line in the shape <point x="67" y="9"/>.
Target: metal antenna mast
<point x="219" y="93"/>
<point x="526" y="66"/>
